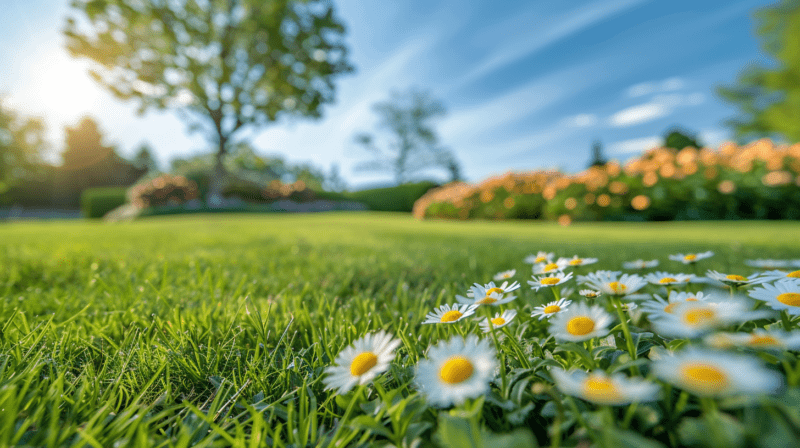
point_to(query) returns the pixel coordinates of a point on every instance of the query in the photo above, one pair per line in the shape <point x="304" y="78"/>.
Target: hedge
<point x="96" y="202"/>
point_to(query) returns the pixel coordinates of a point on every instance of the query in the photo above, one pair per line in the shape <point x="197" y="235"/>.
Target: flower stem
<point x="500" y="353"/>
<point x="347" y="413"/>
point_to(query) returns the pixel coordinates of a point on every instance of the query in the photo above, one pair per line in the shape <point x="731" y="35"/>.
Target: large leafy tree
<point x="768" y="97"/>
<point x="22" y="144"/>
<point x="225" y="65"/>
<point x="408" y="142"/>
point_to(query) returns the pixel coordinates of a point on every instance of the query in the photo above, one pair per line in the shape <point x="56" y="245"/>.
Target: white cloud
<point x="581" y="120"/>
<point x="659" y="106"/>
<point x="636" y="145"/>
<point x="713" y="137"/>
<point x="647" y="88"/>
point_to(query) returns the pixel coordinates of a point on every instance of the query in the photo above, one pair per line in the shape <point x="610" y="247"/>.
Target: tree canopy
<point x="768" y="96"/>
<point x="411" y="143"/>
<point x="225" y="65"/>
<point x="22" y="143"/>
<point x="678" y="139"/>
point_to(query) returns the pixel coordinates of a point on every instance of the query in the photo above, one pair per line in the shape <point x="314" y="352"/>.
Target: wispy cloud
<point x="659" y="106"/>
<point x="647" y="88"/>
<point x="537" y="37"/>
<point x="580" y="120"/>
<point x="636" y="145"/>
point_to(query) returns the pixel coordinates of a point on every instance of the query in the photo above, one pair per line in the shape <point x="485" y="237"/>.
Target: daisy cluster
<point x="699" y="333"/>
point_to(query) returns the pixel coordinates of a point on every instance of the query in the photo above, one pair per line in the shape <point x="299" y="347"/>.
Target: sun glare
<point x="63" y="87"/>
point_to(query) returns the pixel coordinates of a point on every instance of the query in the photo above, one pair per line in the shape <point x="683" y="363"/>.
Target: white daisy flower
<point x="768" y="264"/>
<point x="567" y="291"/>
<point x="456" y="370"/>
<point x="599" y="388"/>
<point x="576" y="261"/>
<point x="657" y="307"/>
<point x="488" y="294"/>
<point x="590" y="293"/>
<point x="550" y="267"/>
<point x="780" y="275"/>
<point x="580" y="323"/>
<point x="691" y="258"/>
<point x="693" y="319"/>
<point x="449" y="314"/>
<point x="667" y="279"/>
<point x="640" y="264"/>
<point x="783" y="295"/>
<point x="735" y="279"/>
<point x="505" y="275"/>
<point x="716" y="374"/>
<point x="499" y="320"/>
<point x="612" y="284"/>
<point x="546" y="281"/>
<point x="551" y="308"/>
<point x="361" y="362"/>
<point x="479" y="290"/>
<point x="759" y="339"/>
<point x="540" y="257"/>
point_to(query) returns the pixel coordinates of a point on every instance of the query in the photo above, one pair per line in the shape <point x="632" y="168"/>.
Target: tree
<point x="144" y="159"/>
<point x="21" y="146"/>
<point x="224" y="65"/>
<point x="768" y="97"/>
<point x="412" y="144"/>
<point x="597" y="154"/>
<point x="678" y="139"/>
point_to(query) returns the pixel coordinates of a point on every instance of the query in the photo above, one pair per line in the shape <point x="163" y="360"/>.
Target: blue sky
<point x="527" y="84"/>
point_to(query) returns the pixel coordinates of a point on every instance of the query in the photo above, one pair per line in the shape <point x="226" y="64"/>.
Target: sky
<point x="527" y="84"/>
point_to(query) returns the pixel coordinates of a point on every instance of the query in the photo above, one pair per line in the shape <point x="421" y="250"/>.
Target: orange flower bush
<point x="166" y="189"/>
<point x="755" y="181"/>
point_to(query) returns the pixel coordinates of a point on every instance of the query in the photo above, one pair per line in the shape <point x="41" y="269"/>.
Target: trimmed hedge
<point x="96" y="202"/>
<point x="392" y="199"/>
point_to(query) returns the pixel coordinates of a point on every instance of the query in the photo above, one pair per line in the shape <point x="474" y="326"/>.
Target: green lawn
<point x="214" y="330"/>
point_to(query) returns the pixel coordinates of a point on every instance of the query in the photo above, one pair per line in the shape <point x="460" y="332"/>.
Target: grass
<point x="215" y="330"/>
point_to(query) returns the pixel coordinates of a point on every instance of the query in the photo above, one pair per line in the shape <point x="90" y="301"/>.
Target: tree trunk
<point x="219" y="177"/>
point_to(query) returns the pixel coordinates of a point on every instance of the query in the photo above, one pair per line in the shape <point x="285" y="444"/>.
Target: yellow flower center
<point x="362" y="363"/>
<point x="763" y="340"/>
<point x="550" y="309"/>
<point x="599" y="388"/>
<point x="576" y="261"/>
<point x="451" y="316"/>
<point x="737" y="278"/>
<point x="455" y="370"/>
<point x="690" y="257"/>
<point x="671" y="307"/>
<point x="494" y="290"/>
<point x="486" y="300"/>
<point x="580" y="326"/>
<point x="506" y="275"/>
<point x="795" y="274"/>
<point x="540" y="259"/>
<point x="591" y="295"/>
<point x="668" y="280"/>
<point x="550" y="281"/>
<point x="789" y="298"/>
<point x="704" y="378"/>
<point x="691" y="299"/>
<point x="698" y="316"/>
<point x="617" y="287"/>
<point x="498" y="321"/>
<point x="550" y="267"/>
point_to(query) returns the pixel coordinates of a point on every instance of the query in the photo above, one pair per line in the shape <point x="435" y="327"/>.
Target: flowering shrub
<point x="165" y="189"/>
<point x="756" y="181"/>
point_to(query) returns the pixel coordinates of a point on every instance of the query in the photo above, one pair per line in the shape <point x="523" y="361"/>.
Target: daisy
<point x="667" y="279"/>
<point x="599" y="388"/>
<point x="546" y="281"/>
<point x="759" y="339"/>
<point x="736" y="280"/>
<point x="361" y="362"/>
<point x="768" y="264"/>
<point x="499" y="320"/>
<point x="691" y="258"/>
<point x="580" y="323"/>
<point x="456" y="370"/>
<point x="505" y="275"/>
<point x="550" y="267"/>
<point x="693" y="319"/>
<point x="609" y="283"/>
<point x="590" y="293"/>
<point x="447" y="314"/>
<point x="657" y="306"/>
<point x="540" y="257"/>
<point x="551" y="308"/>
<point x="489" y="294"/>
<point x="715" y="374"/>
<point x="779" y="275"/>
<point x="783" y="295"/>
<point x="640" y="264"/>
<point x="575" y="261"/>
